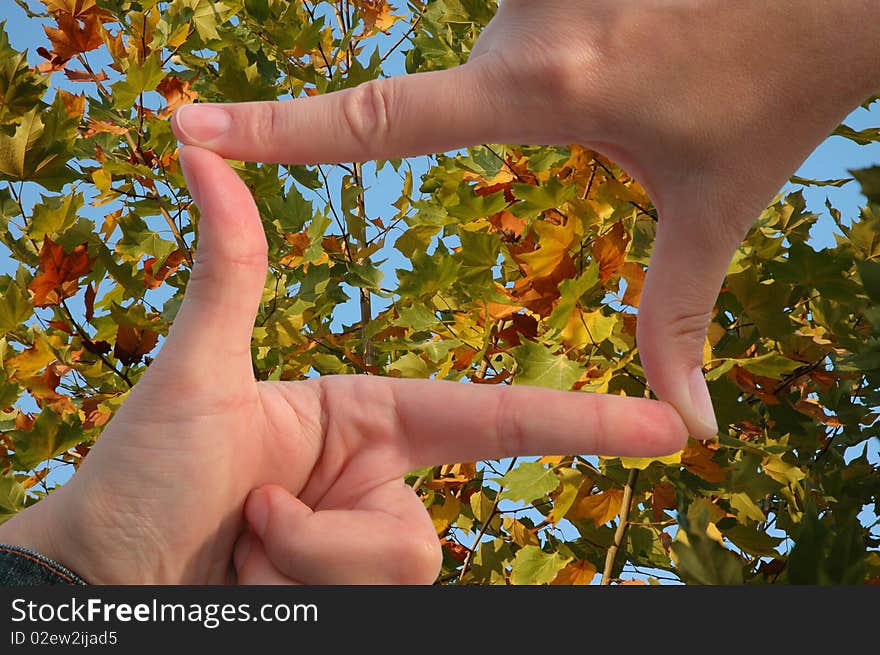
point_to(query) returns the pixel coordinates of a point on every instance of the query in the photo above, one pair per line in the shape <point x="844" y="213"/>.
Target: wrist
<point x="32" y="529"/>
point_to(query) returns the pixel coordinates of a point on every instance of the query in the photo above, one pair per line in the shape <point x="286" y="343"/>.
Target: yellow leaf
<point x="601" y="507"/>
<point x="781" y="471"/>
<point x="641" y="463"/>
<point x="564" y="498"/>
<point x="442" y="516"/>
<point x="580" y="572"/>
<point x="520" y="534"/>
<point x="29" y="362"/>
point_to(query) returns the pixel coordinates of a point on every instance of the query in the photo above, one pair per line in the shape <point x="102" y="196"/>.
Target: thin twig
<point x="620" y="533"/>
<point x="470" y="555"/>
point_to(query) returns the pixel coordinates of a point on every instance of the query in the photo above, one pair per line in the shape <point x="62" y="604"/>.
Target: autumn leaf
<point x="177" y="92"/>
<point x="376" y="14"/>
<point x="634" y="275"/>
<point x="600" y="508"/>
<point x="74" y="36"/>
<point x="697" y="458"/>
<point x="133" y="343"/>
<point x="662" y="498"/>
<point x="153" y="280"/>
<point x="580" y="572"/>
<point x="609" y="250"/>
<point x="59" y="273"/>
<point x="76" y="8"/>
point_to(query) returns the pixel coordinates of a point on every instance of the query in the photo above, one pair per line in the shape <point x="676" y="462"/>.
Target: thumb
<point x="214" y="324"/>
<point x="380" y="119"/>
<point x="689" y="261"/>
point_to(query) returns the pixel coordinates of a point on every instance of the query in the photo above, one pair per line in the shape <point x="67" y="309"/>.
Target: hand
<point x="710" y="104"/>
<point x="160" y="497"/>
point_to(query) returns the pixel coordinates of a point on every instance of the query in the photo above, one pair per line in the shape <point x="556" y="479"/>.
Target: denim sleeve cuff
<point x="23" y="567"/>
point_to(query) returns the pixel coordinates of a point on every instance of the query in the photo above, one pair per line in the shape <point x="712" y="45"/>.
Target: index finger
<point x="433" y="422"/>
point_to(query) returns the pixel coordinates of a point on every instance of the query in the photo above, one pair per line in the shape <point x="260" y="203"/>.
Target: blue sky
<point x="831" y="160"/>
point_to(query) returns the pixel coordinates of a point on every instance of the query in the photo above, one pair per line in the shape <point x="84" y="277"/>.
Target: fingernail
<point x="192" y="180"/>
<point x="702" y="404"/>
<point x="202" y="123"/>
<point x="256" y="511"/>
<point x="242" y="550"/>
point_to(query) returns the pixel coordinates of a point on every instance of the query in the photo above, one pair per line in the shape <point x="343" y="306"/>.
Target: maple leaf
<point x="133" y="343"/>
<point x="176" y="91"/>
<point x="77" y="8"/>
<point x="59" y="273"/>
<point x="103" y="127"/>
<point x="601" y="507"/>
<point x="169" y="266"/>
<point x="580" y="572"/>
<point x="697" y="458"/>
<point x="74" y="36"/>
<point x="609" y="250"/>
<point x="662" y="498"/>
<point x="376" y="14"/>
<point x="74" y="105"/>
<point x="85" y="76"/>
<point x="634" y="275"/>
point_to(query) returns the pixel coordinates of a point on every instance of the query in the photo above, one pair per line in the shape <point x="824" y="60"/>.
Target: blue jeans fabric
<point x="23" y="567"/>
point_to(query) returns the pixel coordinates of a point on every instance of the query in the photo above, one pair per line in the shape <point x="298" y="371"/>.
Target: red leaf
<point x="59" y="273"/>
<point x="133" y="343"/>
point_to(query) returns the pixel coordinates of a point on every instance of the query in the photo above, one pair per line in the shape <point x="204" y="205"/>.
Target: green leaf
<point x="537" y="366"/>
<point x="571" y="292"/>
<point x="528" y="482"/>
<point x="701" y="559"/>
<point x="752" y="540"/>
<point x="20" y="87"/>
<point x="869" y="178"/>
<point x="536" y="199"/>
<point x="54" y="215"/>
<point x="364" y="276"/>
<point x="863" y="137"/>
<point x="12" y="497"/>
<point x="39" y="149"/>
<point x="139" y="78"/>
<point x="15" y="305"/>
<point x="49" y="437"/>
<point x="532" y="566"/>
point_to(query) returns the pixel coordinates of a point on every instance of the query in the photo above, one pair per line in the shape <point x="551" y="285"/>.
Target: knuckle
<point x="366" y="112"/>
<point x="689" y="328"/>
<point x="419" y="559"/>
<point x="265" y="122"/>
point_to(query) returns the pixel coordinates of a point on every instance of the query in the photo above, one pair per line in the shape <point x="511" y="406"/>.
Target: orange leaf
<point x="74" y="105"/>
<point x="376" y="14"/>
<point x="697" y="458"/>
<point x="580" y="572"/>
<point x="60" y="273"/>
<point x="133" y="343"/>
<point x="814" y="410"/>
<point x="176" y="91"/>
<point x="83" y="76"/>
<point x="155" y="280"/>
<point x="95" y="416"/>
<point x="75" y="36"/>
<point x="662" y="497"/>
<point x="601" y="507"/>
<point x="634" y="275"/>
<point x="609" y="250"/>
<point x="76" y="8"/>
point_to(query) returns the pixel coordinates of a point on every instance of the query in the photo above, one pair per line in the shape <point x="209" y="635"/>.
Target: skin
<point x="711" y="104"/>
